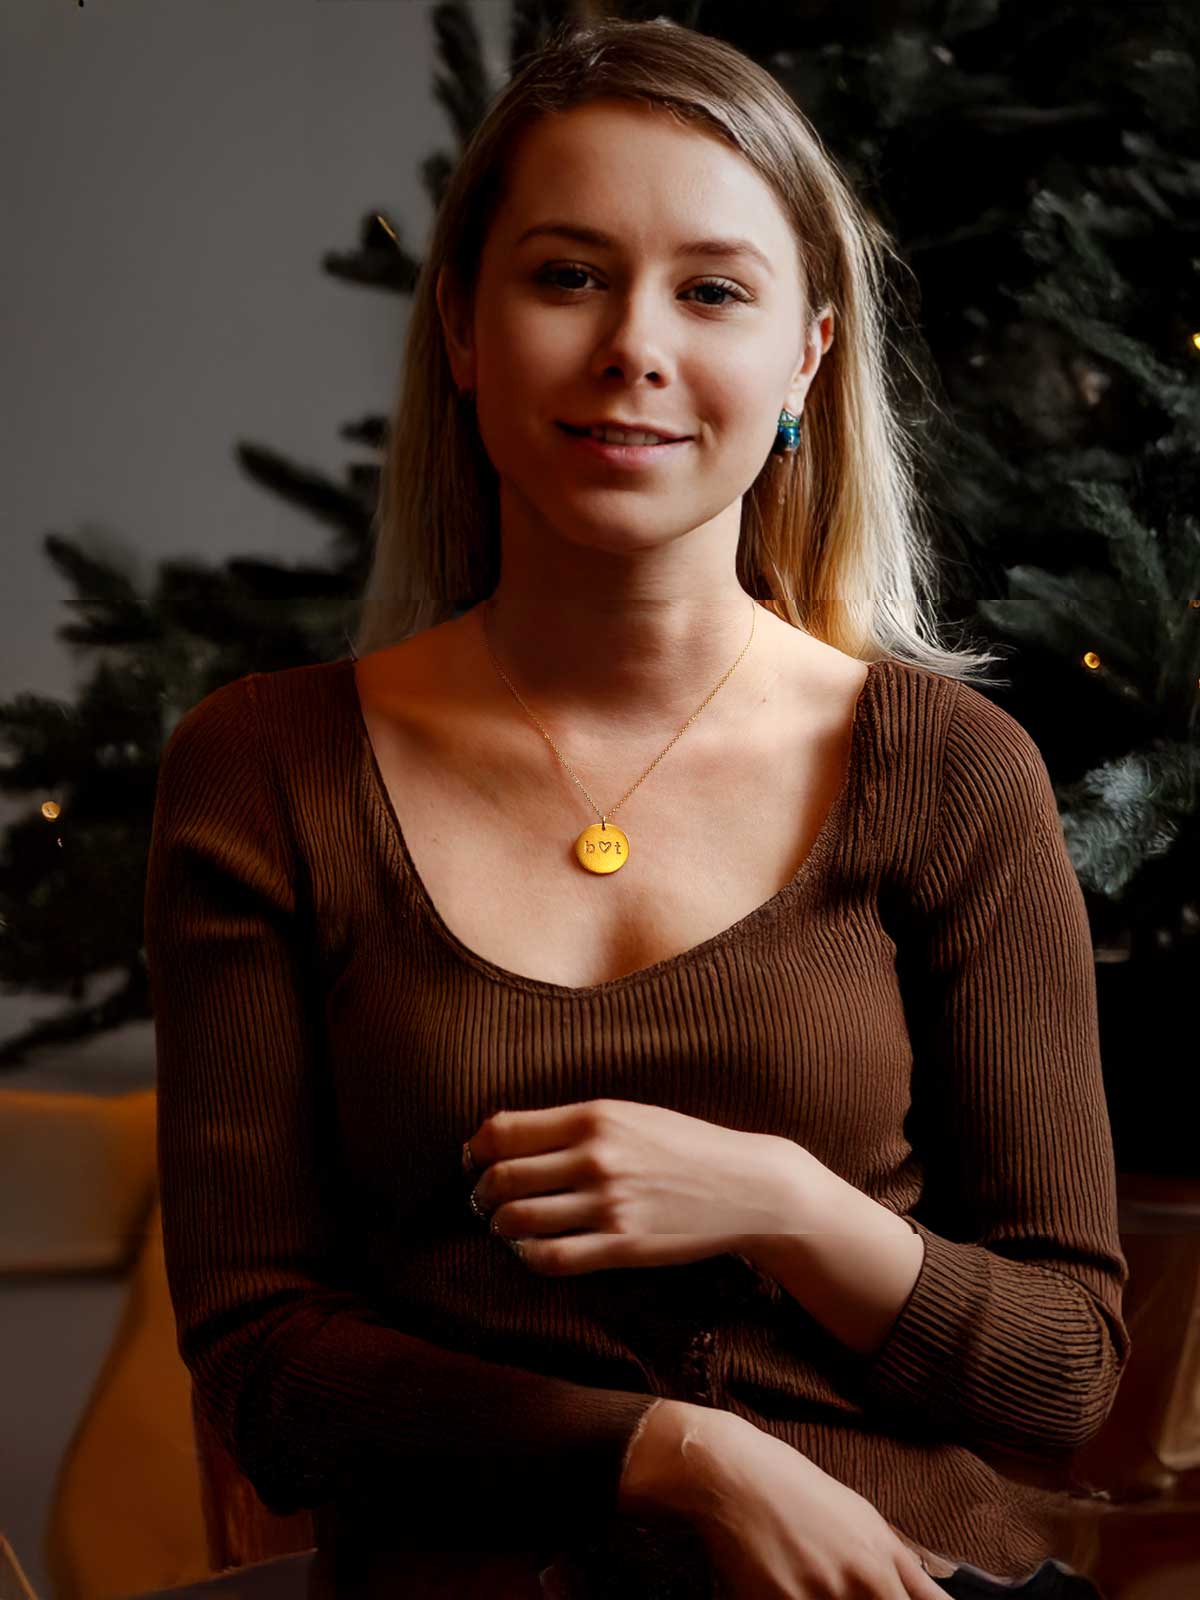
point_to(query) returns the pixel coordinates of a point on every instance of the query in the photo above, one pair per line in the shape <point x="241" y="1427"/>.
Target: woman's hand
<point x="777" y="1527"/>
<point x="636" y="1185"/>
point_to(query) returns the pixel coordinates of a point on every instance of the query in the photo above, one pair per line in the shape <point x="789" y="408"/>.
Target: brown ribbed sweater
<point x="917" y="1007"/>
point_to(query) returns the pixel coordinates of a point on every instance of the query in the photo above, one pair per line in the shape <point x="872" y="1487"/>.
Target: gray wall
<point x="172" y="173"/>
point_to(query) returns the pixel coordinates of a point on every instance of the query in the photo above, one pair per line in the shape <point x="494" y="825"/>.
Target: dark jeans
<point x="633" y="1563"/>
<point x="1053" y="1580"/>
<point x="624" y="1561"/>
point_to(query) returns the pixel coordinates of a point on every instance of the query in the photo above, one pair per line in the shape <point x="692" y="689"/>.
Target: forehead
<point x="636" y="174"/>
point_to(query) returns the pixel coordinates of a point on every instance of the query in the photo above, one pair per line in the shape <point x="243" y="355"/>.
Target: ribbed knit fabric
<point x="916" y="1007"/>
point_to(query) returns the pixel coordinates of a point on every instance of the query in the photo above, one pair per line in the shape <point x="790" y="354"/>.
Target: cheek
<point x="524" y="373"/>
<point x="736" y="379"/>
<point x="528" y="334"/>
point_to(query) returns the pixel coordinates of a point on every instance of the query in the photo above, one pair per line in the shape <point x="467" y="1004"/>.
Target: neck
<point x="627" y="672"/>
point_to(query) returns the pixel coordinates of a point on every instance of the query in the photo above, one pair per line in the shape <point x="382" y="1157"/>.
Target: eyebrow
<point x="690" y="247"/>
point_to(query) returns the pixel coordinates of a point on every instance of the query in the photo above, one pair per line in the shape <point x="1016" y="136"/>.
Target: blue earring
<point x="787" y="434"/>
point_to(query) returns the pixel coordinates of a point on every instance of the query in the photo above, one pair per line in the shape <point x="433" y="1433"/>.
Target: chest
<point x="489" y="818"/>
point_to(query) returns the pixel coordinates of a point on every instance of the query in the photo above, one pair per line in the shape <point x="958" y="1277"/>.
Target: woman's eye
<point x="730" y="290"/>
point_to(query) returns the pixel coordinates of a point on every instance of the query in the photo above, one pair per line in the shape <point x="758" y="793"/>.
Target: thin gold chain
<point x="604" y="816"/>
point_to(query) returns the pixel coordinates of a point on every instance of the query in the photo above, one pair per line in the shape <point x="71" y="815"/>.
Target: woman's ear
<point x="820" y="337"/>
<point x="823" y="322"/>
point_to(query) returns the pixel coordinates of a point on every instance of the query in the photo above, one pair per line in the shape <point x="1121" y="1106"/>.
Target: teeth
<point x="620" y="436"/>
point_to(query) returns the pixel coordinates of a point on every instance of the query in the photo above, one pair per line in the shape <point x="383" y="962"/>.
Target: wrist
<point x="795" y="1196"/>
<point x="673" y="1466"/>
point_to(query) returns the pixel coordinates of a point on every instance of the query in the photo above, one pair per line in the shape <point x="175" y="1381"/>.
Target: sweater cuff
<point x="909" y="1368"/>
<point x="991" y="1351"/>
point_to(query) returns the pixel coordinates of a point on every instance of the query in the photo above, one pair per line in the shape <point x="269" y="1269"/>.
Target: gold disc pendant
<point x="602" y="847"/>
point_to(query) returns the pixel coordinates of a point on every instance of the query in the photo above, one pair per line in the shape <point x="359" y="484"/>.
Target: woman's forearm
<point x="850" y="1262"/>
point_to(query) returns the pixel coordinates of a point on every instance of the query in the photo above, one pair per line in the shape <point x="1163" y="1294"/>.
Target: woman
<point x="710" y="1198"/>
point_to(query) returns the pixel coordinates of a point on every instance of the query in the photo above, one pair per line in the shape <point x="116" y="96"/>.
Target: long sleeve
<point x="1012" y="1337"/>
<point x="315" y="1395"/>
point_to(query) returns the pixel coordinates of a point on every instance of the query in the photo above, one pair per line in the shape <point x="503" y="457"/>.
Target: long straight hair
<point x="833" y="536"/>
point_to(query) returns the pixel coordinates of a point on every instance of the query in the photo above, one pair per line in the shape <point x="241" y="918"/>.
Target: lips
<point x="586" y="433"/>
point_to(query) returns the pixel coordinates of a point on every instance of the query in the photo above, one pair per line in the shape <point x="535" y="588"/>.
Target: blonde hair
<point x="833" y="536"/>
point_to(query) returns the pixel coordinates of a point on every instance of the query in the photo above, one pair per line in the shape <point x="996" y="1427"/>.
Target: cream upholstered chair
<point x="145" y="1497"/>
<point x="127" y="1515"/>
<point x="78" y="1195"/>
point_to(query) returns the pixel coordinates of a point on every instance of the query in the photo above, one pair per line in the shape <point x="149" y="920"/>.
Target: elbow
<point x="1065" y="1410"/>
<point x="285" y="1490"/>
<point x="1084" y="1400"/>
<point x="232" y="1456"/>
<point x="1087" y="1389"/>
<point x="254" y="1406"/>
<point x="1097" y="1395"/>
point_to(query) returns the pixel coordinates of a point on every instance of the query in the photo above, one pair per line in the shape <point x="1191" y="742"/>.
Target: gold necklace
<point x="602" y="847"/>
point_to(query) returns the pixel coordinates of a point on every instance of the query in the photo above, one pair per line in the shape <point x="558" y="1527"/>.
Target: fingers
<point x="936" y="1566"/>
<point x="915" y="1581"/>
<point x="546" y="1216"/>
<point x="557" y="1187"/>
<point x="471" y="1168"/>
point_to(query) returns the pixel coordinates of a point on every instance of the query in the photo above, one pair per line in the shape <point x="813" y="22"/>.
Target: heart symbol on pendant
<point x="605" y="844"/>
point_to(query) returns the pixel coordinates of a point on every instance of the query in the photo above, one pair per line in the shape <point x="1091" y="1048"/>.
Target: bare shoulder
<point x="815" y="677"/>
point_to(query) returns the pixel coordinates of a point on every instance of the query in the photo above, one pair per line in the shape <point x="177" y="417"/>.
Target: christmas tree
<point x="1039" y="172"/>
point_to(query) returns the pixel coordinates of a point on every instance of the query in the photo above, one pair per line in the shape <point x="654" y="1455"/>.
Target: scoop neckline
<point x="695" y="955"/>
